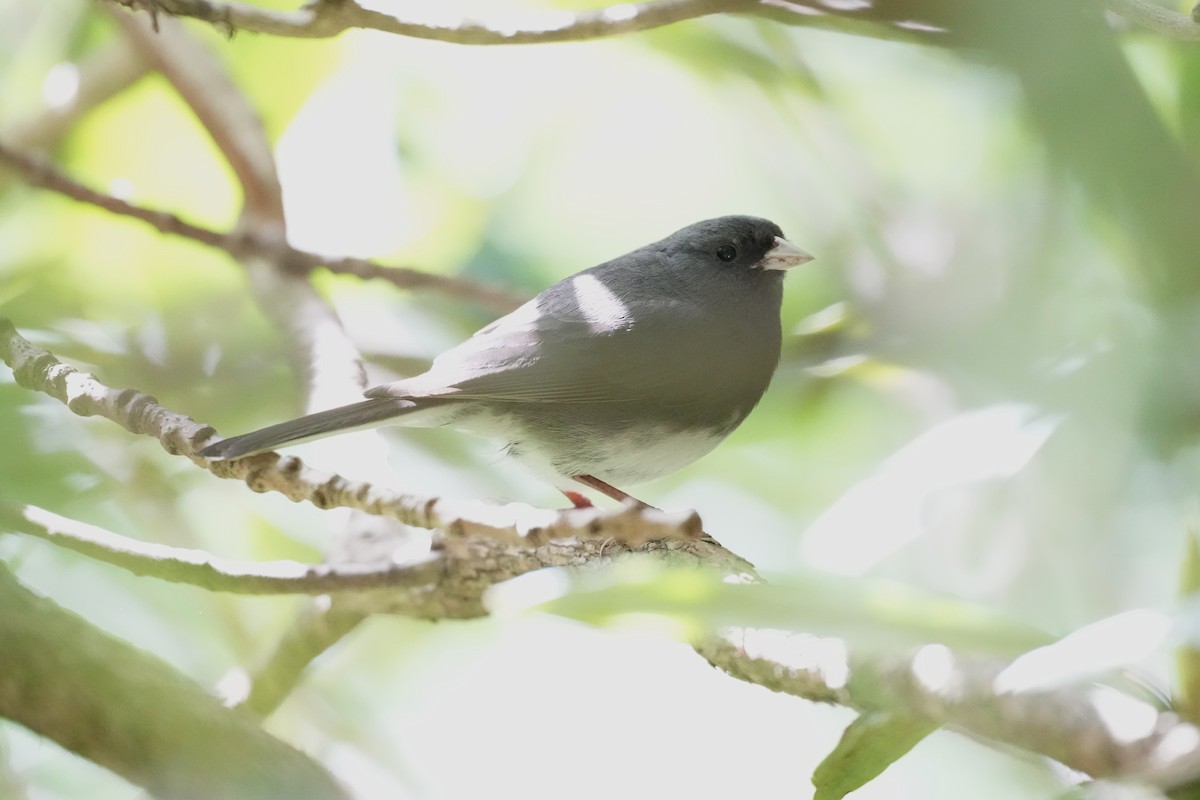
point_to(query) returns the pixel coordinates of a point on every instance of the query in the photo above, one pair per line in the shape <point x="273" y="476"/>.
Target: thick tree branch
<point x="247" y="242"/>
<point x="325" y="18"/>
<point x="140" y="413"/>
<point x="129" y="712"/>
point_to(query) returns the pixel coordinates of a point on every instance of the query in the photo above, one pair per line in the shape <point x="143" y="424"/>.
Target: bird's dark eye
<point x="726" y="252"/>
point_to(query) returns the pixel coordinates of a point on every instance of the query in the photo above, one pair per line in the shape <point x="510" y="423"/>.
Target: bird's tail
<point x="323" y="423"/>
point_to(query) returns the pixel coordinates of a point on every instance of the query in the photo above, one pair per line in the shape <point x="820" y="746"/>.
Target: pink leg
<point x="577" y="499"/>
<point x="606" y="489"/>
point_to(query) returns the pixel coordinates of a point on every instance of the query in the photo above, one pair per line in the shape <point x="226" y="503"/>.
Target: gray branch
<point x="200" y="568"/>
<point x="246" y="243"/>
<point x="326" y="18"/>
<point x="1075" y="724"/>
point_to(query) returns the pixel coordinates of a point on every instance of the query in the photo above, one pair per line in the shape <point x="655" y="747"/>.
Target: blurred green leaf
<point x="748" y="52"/>
<point x="872" y="612"/>
<point x="869" y="745"/>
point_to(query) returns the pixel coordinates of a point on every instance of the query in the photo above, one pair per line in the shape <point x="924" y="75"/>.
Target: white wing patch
<point x="602" y="310"/>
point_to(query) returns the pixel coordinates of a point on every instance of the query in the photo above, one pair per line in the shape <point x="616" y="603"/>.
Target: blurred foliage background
<point x="987" y="388"/>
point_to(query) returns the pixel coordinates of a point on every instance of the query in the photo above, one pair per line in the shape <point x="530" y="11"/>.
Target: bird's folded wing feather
<point x="563" y="355"/>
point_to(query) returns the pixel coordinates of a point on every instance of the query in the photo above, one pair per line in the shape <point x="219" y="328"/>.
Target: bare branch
<point x="1157" y="18"/>
<point x="203" y="83"/>
<point x="325" y="18"/>
<point x="199" y="568"/>
<point x="1077" y="725"/>
<point x="514" y="523"/>
<point x="40" y="172"/>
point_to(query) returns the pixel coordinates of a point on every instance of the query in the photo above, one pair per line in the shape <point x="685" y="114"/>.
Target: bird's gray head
<point x="738" y="242"/>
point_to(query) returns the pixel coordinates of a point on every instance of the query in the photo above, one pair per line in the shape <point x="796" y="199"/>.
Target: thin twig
<point x="325" y="18"/>
<point x="199" y="568"/>
<point x="1073" y="724"/>
<point x="321" y="624"/>
<point x="39" y="172"/>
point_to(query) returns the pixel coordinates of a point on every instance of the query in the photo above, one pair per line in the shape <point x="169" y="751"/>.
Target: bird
<point x="620" y="374"/>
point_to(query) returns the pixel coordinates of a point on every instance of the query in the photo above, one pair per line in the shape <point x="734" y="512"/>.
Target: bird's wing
<point x="578" y="343"/>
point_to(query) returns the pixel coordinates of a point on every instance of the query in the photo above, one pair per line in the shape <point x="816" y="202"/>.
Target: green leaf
<point x="874" y="612"/>
<point x="869" y="745"/>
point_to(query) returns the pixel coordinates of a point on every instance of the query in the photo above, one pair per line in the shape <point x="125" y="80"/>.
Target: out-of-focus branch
<point x="203" y="83"/>
<point x="325" y="18"/>
<point x="319" y="625"/>
<point x="199" y="568"/>
<point x="324" y="356"/>
<point x="1159" y="19"/>
<point x="101" y="74"/>
<point x="1090" y="728"/>
<point x="140" y="413"/>
<point x="124" y="709"/>
<point x="246" y="242"/>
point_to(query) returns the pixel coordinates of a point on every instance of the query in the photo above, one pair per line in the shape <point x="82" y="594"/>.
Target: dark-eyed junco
<point x="620" y="374"/>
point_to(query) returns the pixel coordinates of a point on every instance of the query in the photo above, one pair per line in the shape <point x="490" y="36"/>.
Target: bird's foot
<point x="609" y="490"/>
<point x="577" y="499"/>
